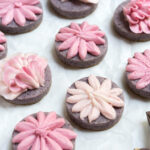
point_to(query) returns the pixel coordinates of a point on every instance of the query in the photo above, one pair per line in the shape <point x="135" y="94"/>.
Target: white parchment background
<point x="132" y="131"/>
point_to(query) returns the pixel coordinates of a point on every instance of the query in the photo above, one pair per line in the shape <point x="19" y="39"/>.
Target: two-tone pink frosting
<point x="86" y="1"/>
<point x="139" y="69"/>
<point x="137" y="13"/>
<point x="80" y="39"/>
<point x="2" y="41"/>
<point x="20" y="73"/>
<point x="94" y="98"/>
<point x="43" y="132"/>
<point x="19" y="11"/>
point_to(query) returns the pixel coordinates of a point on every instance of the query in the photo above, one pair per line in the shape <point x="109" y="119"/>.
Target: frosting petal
<point x="80" y="39"/>
<point x="44" y="132"/>
<point x="19" y="11"/>
<point x="20" y="73"/>
<point x="139" y="69"/>
<point x="137" y="14"/>
<point x="98" y="98"/>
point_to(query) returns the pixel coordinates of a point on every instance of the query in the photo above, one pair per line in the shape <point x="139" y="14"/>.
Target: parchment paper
<point x="132" y="130"/>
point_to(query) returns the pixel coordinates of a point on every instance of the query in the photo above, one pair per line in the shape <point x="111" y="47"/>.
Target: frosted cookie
<point x="43" y="131"/>
<point x="94" y="103"/>
<point x="24" y="78"/>
<point x="3" y="45"/>
<point x="138" y="73"/>
<point x="74" y="8"/>
<point x="20" y="16"/>
<point x="131" y="20"/>
<point x="81" y="45"/>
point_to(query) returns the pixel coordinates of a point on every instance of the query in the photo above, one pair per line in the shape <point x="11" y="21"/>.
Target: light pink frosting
<point x="20" y="73"/>
<point x="137" y="13"/>
<point x="80" y="40"/>
<point x="2" y="41"/>
<point x="45" y="132"/>
<point x="86" y="1"/>
<point x="19" y="11"/>
<point x="139" y="69"/>
<point x="94" y="98"/>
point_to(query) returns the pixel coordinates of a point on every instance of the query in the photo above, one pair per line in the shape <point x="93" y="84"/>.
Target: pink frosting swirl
<point x="2" y="41"/>
<point x="20" y="73"/>
<point x="137" y="13"/>
<point x="139" y="69"/>
<point x="80" y="39"/>
<point x="19" y="11"/>
<point x="45" y="132"/>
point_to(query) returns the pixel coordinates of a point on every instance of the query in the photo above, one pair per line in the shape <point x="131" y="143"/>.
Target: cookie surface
<point x="72" y="8"/>
<point x="30" y="18"/>
<point x="137" y="73"/>
<point x="33" y="96"/>
<point x="87" y="51"/>
<point x="94" y="120"/>
<point x="58" y="135"/>
<point x="121" y="26"/>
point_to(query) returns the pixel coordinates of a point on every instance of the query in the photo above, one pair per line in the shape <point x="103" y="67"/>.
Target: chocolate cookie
<point x="94" y="103"/>
<point x="48" y="131"/>
<point x="24" y="16"/>
<point x="73" y="8"/>
<point x="3" y="46"/>
<point x="81" y="45"/>
<point x="25" y="78"/>
<point x="123" y="26"/>
<point x="137" y="73"/>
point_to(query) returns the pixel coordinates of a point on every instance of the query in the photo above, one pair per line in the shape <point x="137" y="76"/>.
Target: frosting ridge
<point x="139" y="69"/>
<point x="80" y="39"/>
<point x="19" y="11"/>
<point x="20" y="73"/>
<point x="137" y="13"/>
<point x="43" y="132"/>
<point x="94" y="98"/>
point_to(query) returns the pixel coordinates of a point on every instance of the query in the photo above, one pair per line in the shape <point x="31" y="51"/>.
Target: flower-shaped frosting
<point x="20" y="73"/>
<point x="86" y="1"/>
<point x="92" y="98"/>
<point x="139" y="69"/>
<point x="80" y="39"/>
<point x="44" y="132"/>
<point x="19" y="10"/>
<point x="2" y="41"/>
<point x="137" y="13"/>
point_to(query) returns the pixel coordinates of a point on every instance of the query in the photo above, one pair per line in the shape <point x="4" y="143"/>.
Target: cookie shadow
<point x="131" y="94"/>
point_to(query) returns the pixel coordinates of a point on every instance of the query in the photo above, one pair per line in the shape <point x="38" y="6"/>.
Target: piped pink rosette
<point x="2" y="41"/>
<point x="20" y="73"/>
<point x="19" y="11"/>
<point x="86" y="1"/>
<point x="43" y="132"/>
<point x="139" y="69"/>
<point x="94" y="98"/>
<point x="80" y="40"/>
<point x="137" y="13"/>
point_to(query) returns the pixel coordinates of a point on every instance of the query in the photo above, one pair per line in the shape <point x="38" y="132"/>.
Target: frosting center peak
<point x="18" y="4"/>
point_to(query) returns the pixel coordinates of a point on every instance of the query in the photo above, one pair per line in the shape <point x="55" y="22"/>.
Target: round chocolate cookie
<point x="137" y="74"/>
<point x="58" y="134"/>
<point x="28" y="23"/>
<point x="33" y="96"/>
<point x="88" y="109"/>
<point x="121" y="26"/>
<point x="83" y="57"/>
<point x="72" y="8"/>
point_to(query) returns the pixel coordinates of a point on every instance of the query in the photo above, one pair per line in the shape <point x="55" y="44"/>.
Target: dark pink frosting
<point x="80" y="40"/>
<point x="139" y="69"/>
<point x="45" y="132"/>
<point x="137" y="13"/>
<point x="19" y="10"/>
